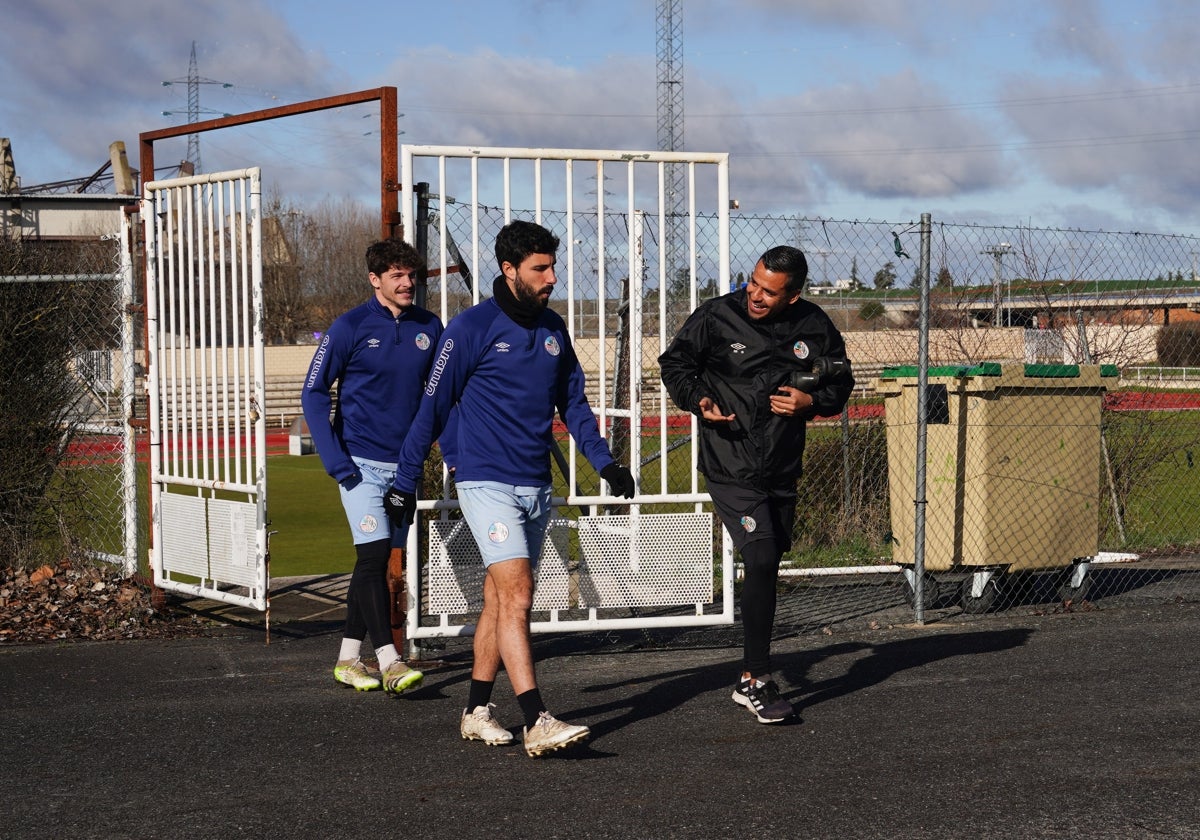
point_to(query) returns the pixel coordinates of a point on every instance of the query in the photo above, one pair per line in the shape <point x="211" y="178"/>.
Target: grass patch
<point x="304" y="509"/>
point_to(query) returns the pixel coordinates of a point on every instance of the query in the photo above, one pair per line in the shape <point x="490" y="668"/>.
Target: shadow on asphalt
<point x="663" y="692"/>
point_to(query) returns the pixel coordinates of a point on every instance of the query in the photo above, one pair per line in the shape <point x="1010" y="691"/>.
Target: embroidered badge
<point x="368" y="524"/>
<point x="551" y="346"/>
<point x="502" y="346"/>
<point x="373" y="343"/>
<point x="801" y="350"/>
<point x="749" y="524"/>
<point x="422" y="341"/>
<point x="498" y="532"/>
<point x="738" y="347"/>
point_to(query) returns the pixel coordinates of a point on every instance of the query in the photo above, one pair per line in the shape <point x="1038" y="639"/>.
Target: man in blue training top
<point x="504" y="366"/>
<point x="379" y="354"/>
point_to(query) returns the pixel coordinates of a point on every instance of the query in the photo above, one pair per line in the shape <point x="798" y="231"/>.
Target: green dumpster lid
<point x="1044" y="371"/>
<point x="985" y="369"/>
<point x="1051" y="371"/>
<point x="993" y="369"/>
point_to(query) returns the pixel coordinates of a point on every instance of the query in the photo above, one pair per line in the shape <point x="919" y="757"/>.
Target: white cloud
<point x="86" y="73"/>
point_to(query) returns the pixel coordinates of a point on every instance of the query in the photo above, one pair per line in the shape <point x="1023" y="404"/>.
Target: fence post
<point x="919" y="500"/>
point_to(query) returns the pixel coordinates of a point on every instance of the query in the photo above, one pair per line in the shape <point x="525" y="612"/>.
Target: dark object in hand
<point x="824" y="369"/>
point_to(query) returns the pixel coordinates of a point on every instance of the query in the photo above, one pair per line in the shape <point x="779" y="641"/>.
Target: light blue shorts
<point x="364" y="504"/>
<point x="507" y="522"/>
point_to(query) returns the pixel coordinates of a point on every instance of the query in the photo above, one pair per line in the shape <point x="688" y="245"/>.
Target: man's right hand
<point x="711" y="412"/>
<point x="400" y="506"/>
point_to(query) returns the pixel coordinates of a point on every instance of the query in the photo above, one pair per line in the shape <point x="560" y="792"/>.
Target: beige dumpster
<point x="1013" y="466"/>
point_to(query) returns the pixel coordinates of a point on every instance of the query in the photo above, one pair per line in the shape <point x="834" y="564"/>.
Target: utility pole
<point x="670" y="131"/>
<point x="193" y="82"/>
<point x="997" y="253"/>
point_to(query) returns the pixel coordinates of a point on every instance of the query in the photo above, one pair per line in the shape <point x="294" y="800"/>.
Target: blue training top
<point x="380" y="363"/>
<point x="505" y="381"/>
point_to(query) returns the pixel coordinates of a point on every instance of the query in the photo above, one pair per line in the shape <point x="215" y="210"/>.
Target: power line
<point x="1066" y="143"/>
<point x="1029" y="101"/>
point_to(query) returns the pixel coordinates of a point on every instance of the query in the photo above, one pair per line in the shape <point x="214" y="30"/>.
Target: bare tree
<point x="313" y="264"/>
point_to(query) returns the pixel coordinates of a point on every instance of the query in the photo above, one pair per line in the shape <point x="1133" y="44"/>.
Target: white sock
<point x="350" y="649"/>
<point x="386" y="656"/>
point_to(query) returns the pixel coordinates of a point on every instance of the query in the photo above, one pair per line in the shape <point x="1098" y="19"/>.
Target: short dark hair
<point x="392" y="253"/>
<point x="518" y="239"/>
<point x="784" y="259"/>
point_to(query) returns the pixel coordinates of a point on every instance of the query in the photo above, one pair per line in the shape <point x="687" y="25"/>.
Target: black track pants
<point x="367" y="600"/>
<point x="760" y="559"/>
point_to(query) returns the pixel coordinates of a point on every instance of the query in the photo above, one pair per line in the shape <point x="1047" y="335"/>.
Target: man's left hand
<point x="620" y="479"/>
<point x="790" y="402"/>
<point x="399" y="505"/>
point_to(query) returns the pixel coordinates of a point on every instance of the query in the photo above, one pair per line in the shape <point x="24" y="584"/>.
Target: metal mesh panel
<point x="645" y="560"/>
<point x="454" y="572"/>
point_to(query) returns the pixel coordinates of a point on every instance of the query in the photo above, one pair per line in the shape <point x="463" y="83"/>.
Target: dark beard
<point x="529" y="298"/>
<point x="520" y="309"/>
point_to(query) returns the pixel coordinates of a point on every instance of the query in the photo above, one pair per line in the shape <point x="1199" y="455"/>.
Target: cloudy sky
<point x="1061" y="113"/>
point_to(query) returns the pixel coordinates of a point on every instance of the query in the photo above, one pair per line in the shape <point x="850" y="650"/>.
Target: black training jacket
<point x="721" y="353"/>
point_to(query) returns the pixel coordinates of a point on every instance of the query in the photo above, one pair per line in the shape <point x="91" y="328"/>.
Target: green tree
<point x="885" y="278"/>
<point x="855" y="280"/>
<point x="680" y="286"/>
<point x="871" y="311"/>
<point x="944" y="279"/>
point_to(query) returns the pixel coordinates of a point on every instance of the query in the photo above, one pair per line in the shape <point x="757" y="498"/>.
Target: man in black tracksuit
<point x="755" y="364"/>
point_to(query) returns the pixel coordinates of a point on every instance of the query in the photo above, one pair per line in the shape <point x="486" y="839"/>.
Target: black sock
<point x="531" y="706"/>
<point x="480" y="693"/>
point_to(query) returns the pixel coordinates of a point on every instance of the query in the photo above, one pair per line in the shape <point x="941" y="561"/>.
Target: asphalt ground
<point x="1025" y="725"/>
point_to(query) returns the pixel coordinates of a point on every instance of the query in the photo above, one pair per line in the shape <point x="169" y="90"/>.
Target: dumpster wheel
<point x="980" y="592"/>
<point x="930" y="590"/>
<point x="1075" y="583"/>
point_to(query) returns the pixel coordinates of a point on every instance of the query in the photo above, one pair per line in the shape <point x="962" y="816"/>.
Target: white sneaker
<point x="550" y="734"/>
<point x="481" y="725"/>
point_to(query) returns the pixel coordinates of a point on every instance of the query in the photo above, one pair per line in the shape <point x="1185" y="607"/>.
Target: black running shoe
<point x="762" y="698"/>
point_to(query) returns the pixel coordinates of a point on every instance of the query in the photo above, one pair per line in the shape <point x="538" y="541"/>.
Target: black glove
<point x="619" y="478"/>
<point x="400" y="506"/>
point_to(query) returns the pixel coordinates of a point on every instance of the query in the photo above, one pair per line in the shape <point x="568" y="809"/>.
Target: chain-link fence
<point x="1058" y="421"/>
<point x="68" y="488"/>
<point x="1047" y="461"/>
<point x="1061" y="410"/>
<point x="1061" y="418"/>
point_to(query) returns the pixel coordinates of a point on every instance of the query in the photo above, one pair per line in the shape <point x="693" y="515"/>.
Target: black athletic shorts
<point x="751" y="514"/>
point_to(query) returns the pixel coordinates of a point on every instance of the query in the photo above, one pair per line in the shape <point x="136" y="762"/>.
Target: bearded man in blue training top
<point x="505" y="366"/>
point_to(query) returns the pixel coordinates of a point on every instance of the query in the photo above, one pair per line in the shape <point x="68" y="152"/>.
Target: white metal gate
<point x="649" y="562"/>
<point x="206" y="386"/>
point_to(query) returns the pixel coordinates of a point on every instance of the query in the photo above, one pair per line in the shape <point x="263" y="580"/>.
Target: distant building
<point x="845" y="285"/>
<point x="62" y="212"/>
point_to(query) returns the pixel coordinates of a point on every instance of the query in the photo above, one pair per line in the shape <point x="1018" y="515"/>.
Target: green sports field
<point x="310" y="535"/>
